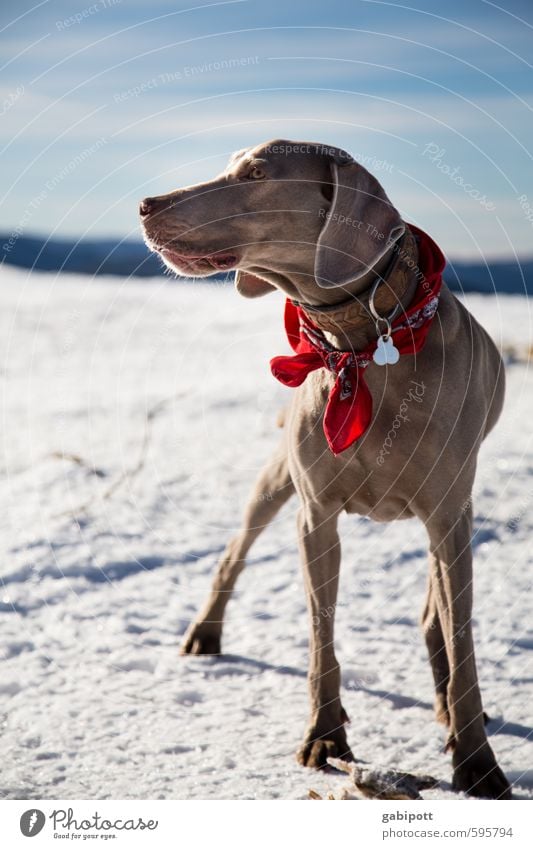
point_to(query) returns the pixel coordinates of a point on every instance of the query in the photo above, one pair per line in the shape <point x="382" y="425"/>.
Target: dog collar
<point x="348" y="410"/>
<point x="395" y="286"/>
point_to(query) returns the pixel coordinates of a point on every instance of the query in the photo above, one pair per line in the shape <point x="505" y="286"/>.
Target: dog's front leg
<point x="320" y="551"/>
<point x="475" y="769"/>
<point x="272" y="489"/>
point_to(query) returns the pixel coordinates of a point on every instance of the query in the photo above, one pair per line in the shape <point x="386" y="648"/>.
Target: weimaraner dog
<point x="307" y="219"/>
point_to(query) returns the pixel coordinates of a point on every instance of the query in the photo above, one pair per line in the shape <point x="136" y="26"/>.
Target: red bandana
<point x="349" y="406"/>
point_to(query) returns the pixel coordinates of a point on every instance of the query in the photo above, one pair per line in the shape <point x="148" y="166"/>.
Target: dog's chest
<point x="377" y="476"/>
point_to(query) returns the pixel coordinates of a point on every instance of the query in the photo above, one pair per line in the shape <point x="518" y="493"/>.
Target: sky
<point x="105" y="102"/>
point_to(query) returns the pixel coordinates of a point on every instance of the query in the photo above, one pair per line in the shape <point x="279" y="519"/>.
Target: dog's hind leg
<point x="272" y="489"/>
<point x="475" y="769"/>
<point x="436" y="647"/>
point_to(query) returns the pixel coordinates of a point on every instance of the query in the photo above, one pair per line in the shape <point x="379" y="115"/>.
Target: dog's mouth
<point x="199" y="264"/>
<point x="186" y="260"/>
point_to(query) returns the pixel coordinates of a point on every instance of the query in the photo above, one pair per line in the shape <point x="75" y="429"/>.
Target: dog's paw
<point x="479" y="775"/>
<point x="201" y="639"/>
<point x="316" y="749"/>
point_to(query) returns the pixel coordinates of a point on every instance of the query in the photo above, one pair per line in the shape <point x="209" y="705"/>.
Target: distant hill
<point x="505" y="276"/>
<point x="87" y="256"/>
<point x="132" y="259"/>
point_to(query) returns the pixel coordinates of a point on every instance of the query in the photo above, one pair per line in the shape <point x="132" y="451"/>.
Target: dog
<point x="368" y="323"/>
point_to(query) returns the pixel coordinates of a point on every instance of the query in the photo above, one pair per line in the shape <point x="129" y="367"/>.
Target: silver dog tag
<point x="386" y="353"/>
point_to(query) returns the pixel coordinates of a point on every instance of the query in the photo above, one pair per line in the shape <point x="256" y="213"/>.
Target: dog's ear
<point x="235" y="156"/>
<point x="359" y="227"/>
<point x="250" y="286"/>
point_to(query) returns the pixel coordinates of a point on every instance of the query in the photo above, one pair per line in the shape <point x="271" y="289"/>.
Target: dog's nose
<point x="146" y="206"/>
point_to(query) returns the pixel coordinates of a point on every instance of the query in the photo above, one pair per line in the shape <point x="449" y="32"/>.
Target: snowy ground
<point x="94" y="700"/>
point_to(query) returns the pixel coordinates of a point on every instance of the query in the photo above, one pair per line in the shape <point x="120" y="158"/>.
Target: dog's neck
<point x="349" y="324"/>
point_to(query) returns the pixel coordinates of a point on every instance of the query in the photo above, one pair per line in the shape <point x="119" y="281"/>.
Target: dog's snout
<point x="146" y="207"/>
<point x="156" y="205"/>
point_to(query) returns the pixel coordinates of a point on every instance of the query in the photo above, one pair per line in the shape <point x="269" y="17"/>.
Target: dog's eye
<point x="256" y="173"/>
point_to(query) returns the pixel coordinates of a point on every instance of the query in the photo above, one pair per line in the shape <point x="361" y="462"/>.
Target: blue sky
<point x="104" y="102"/>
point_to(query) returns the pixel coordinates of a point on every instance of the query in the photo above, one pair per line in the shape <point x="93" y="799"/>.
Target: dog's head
<point x="279" y="210"/>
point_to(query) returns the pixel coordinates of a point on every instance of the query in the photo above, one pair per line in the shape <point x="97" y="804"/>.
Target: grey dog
<point x="307" y="219"/>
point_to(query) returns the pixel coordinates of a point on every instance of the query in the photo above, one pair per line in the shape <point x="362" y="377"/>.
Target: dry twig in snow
<point x="377" y="783"/>
<point x="127" y="474"/>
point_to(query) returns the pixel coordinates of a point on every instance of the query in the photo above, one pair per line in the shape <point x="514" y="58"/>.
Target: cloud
<point x="166" y="98"/>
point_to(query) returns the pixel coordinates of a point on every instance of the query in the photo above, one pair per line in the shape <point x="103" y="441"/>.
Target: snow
<point x="95" y="701"/>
